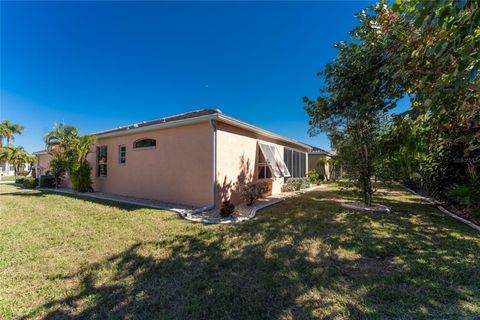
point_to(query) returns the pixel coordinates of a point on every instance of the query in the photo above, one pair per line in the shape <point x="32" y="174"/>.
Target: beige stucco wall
<point x="177" y="170"/>
<point x="237" y="154"/>
<point x="314" y="163"/>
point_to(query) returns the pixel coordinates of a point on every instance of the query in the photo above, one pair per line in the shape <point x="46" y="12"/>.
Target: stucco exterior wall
<point x="237" y="155"/>
<point x="42" y="163"/>
<point x="177" y="170"/>
<point x="314" y="163"/>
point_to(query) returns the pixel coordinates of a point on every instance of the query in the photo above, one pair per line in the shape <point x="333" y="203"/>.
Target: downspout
<point x="214" y="164"/>
<point x="214" y="172"/>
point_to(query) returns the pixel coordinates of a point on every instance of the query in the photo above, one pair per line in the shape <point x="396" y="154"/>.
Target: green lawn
<point x="63" y="257"/>
<point x="7" y="178"/>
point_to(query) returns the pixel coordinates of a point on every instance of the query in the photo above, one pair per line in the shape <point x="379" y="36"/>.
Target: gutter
<point x="214" y="175"/>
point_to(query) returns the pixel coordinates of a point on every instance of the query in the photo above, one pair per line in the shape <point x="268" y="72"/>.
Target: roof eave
<point x="215" y="116"/>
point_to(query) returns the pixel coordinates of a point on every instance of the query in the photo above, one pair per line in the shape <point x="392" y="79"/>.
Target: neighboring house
<point x="317" y="161"/>
<point x="10" y="171"/>
<point x="198" y="158"/>
<point x="6" y="171"/>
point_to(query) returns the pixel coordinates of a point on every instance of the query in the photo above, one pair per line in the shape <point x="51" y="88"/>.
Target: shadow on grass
<point x="304" y="258"/>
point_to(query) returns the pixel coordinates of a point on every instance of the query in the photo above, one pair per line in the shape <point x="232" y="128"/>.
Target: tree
<point x="80" y="168"/>
<point x="8" y="131"/>
<point x="16" y="156"/>
<point x="71" y="148"/>
<point x="437" y="66"/>
<point x="58" y="168"/>
<point x="354" y="101"/>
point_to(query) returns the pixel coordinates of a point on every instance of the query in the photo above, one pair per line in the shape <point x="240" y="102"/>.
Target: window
<point x="122" y="153"/>
<point x="271" y="159"/>
<point x="102" y="156"/>
<point x="263" y="169"/>
<point x="296" y="162"/>
<point x="145" y="143"/>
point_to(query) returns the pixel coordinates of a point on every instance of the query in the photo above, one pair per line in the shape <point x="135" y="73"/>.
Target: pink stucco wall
<point x="177" y="170"/>
<point x="237" y="154"/>
<point x="43" y="166"/>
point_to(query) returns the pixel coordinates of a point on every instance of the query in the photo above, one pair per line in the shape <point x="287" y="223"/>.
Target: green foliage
<point x="46" y="181"/>
<point x="354" y="101"/>
<point x="296" y="184"/>
<point x="313" y="176"/>
<point x="468" y="193"/>
<point x="227" y="209"/>
<point x="16" y="156"/>
<point x="8" y="131"/>
<point x="58" y="168"/>
<point x="251" y="191"/>
<point x="30" y="182"/>
<point x="80" y="175"/>
<point x="19" y="180"/>
<point x="71" y="150"/>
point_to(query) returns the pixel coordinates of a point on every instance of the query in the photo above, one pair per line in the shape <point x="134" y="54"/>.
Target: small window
<point x="102" y="157"/>
<point x="122" y="154"/>
<point x="263" y="168"/>
<point x="145" y="143"/>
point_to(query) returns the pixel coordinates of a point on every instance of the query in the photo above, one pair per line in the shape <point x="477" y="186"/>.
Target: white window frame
<point x="99" y="163"/>
<point x="124" y="154"/>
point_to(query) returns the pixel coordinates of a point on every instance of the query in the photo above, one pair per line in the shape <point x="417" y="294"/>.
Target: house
<point x="318" y="160"/>
<point x="199" y="158"/>
<point x="8" y="169"/>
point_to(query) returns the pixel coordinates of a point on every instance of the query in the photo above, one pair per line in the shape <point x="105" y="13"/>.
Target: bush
<point x="467" y="194"/>
<point x="29" y="182"/>
<point x="81" y="177"/>
<point x="19" y="180"/>
<point x="58" y="168"/>
<point x="46" y="181"/>
<point x="227" y="209"/>
<point x="251" y="191"/>
<point x="295" y="184"/>
<point x="313" y="176"/>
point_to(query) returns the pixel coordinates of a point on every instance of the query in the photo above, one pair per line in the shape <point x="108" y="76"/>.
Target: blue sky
<point x="105" y="64"/>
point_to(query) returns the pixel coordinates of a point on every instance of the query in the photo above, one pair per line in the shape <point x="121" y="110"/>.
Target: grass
<point x="7" y="178"/>
<point x="63" y="257"/>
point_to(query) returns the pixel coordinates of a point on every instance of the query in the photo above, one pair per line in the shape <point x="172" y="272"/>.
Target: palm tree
<point x="80" y="168"/>
<point x="8" y="131"/>
<point x="17" y="156"/>
<point x="65" y="142"/>
<point x="59" y="140"/>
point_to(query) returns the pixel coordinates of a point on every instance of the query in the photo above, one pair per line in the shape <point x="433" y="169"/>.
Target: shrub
<point x="295" y="184"/>
<point x="81" y="177"/>
<point x="321" y="178"/>
<point x="251" y="191"/>
<point x="23" y="173"/>
<point x="58" y="168"/>
<point x="29" y="182"/>
<point x="46" y="181"/>
<point x="313" y="176"/>
<point x="19" y="180"/>
<point x="227" y="209"/>
<point x="467" y="194"/>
